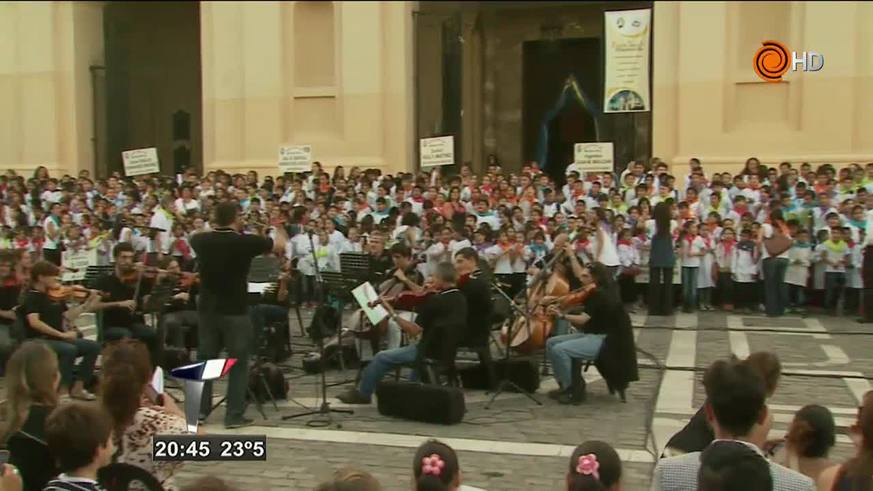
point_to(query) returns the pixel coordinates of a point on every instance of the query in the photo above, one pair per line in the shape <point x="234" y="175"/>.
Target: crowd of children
<point x="512" y="218"/>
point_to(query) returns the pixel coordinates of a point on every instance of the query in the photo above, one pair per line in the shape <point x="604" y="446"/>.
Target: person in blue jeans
<point x="692" y="249"/>
<point x="49" y="320"/>
<point x="603" y="326"/>
<point x="440" y="322"/>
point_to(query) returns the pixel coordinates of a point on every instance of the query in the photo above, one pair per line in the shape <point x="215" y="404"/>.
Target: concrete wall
<point x="269" y="78"/>
<point x="708" y="102"/>
<point x="45" y="88"/>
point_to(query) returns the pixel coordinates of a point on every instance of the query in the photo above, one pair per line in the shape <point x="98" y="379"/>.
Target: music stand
<point x="506" y="383"/>
<point x="357" y="267"/>
<point x="338" y="286"/>
<point x="324" y="413"/>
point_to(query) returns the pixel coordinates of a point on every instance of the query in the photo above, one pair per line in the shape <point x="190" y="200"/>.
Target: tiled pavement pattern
<point x="518" y="445"/>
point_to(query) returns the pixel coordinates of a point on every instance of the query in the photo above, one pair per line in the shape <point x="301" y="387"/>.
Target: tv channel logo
<point x="773" y="59"/>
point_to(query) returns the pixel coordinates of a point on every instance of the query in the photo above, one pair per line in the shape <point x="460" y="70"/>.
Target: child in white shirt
<point x="797" y="275"/>
<point x="745" y="271"/>
<point x="629" y="267"/>
<point x="705" y="281"/>
<point x="692" y="249"/>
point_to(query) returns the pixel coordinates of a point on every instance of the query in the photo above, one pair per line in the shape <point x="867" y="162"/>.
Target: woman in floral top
<point x="126" y="373"/>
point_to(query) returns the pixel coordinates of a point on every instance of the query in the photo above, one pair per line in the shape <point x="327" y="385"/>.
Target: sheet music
<point x="259" y="288"/>
<point x="364" y="294"/>
<point x="158" y="380"/>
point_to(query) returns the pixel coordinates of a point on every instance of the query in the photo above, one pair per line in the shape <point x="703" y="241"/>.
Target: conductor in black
<point x="224" y="257"/>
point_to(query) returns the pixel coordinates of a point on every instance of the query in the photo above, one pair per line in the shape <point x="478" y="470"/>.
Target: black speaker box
<point x="523" y="373"/>
<point x="420" y="402"/>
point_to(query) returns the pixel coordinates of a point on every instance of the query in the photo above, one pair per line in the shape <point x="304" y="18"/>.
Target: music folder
<point x="364" y="294"/>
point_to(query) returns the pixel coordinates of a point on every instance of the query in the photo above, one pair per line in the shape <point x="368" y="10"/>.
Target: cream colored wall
<point x="358" y="111"/>
<point x="45" y="86"/>
<point x="708" y="102"/>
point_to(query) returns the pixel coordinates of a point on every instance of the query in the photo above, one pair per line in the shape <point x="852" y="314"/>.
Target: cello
<point x="529" y="337"/>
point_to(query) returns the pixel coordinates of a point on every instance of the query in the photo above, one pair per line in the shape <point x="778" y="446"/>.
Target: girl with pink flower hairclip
<point x="594" y="466"/>
<point x="436" y="468"/>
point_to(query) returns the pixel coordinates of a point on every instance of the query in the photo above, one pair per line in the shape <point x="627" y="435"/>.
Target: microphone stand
<point x="324" y="413"/>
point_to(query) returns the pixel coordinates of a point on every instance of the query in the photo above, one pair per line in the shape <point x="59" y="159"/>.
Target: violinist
<point x="604" y="336"/>
<point x="119" y="307"/>
<point x="403" y="278"/>
<point x="180" y="313"/>
<point x="53" y="322"/>
<point x="477" y="291"/>
<point x="440" y="319"/>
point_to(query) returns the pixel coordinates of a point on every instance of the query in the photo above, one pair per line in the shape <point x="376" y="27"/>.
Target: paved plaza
<point x="517" y="444"/>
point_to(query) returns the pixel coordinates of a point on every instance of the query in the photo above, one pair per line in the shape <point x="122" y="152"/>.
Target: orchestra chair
<point x="580" y="365"/>
<point x="486" y="360"/>
<point x="119" y="477"/>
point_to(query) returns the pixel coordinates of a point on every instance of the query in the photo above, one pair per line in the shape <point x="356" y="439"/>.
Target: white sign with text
<point x="437" y="151"/>
<point x="141" y="161"/>
<point x="295" y="158"/>
<point x="592" y="157"/>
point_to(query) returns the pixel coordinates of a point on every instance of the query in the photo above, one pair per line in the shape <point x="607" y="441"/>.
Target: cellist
<point x="604" y="335"/>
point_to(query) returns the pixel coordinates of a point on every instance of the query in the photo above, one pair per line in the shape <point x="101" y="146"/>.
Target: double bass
<point x="529" y="337"/>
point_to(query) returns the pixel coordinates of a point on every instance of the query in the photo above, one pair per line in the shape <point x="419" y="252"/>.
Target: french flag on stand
<point x="194" y="375"/>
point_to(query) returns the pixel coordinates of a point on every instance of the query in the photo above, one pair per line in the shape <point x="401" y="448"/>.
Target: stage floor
<point x="518" y="445"/>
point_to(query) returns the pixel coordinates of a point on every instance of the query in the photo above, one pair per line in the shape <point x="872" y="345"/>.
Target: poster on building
<point x="295" y="158"/>
<point x="626" y="84"/>
<point x="76" y="262"/>
<point x="592" y="158"/>
<point x="141" y="161"/>
<point x="437" y="151"/>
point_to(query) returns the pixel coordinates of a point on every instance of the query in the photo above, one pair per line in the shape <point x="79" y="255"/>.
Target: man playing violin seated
<point x="120" y="319"/>
<point x="403" y="278"/>
<point x="180" y="312"/>
<point x="52" y="321"/>
<point x="440" y="319"/>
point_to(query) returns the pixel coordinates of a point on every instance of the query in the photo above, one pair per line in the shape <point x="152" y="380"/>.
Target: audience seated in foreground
<point x="594" y="466"/>
<point x="737" y="410"/>
<point x="79" y="438"/>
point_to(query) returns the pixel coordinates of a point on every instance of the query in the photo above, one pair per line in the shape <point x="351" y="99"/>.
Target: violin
<point x="188" y="279"/>
<point x="411" y="300"/>
<point x="64" y="293"/>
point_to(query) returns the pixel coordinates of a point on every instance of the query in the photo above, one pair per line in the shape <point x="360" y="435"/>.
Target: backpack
<point x="275" y="381"/>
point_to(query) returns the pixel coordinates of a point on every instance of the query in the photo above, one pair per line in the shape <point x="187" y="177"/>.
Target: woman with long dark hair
<point x="662" y="260"/>
<point x="604" y="336"/>
<point x="776" y="265"/>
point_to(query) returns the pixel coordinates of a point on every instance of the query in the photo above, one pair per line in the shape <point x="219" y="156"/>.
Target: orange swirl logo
<point x="771" y="61"/>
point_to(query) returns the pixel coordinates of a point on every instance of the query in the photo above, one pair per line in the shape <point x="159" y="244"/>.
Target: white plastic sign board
<point x="437" y="151"/>
<point x="141" y="161"/>
<point x="295" y="158"/>
<point x="593" y="157"/>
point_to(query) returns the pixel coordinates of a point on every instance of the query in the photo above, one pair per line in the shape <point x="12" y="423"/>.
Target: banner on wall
<point x="592" y="158"/>
<point x="76" y="262"/>
<point x="437" y="151"/>
<point x="626" y="84"/>
<point x="141" y="161"/>
<point x="295" y="158"/>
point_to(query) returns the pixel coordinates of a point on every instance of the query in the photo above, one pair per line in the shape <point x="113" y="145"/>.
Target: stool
<point x="579" y="365"/>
